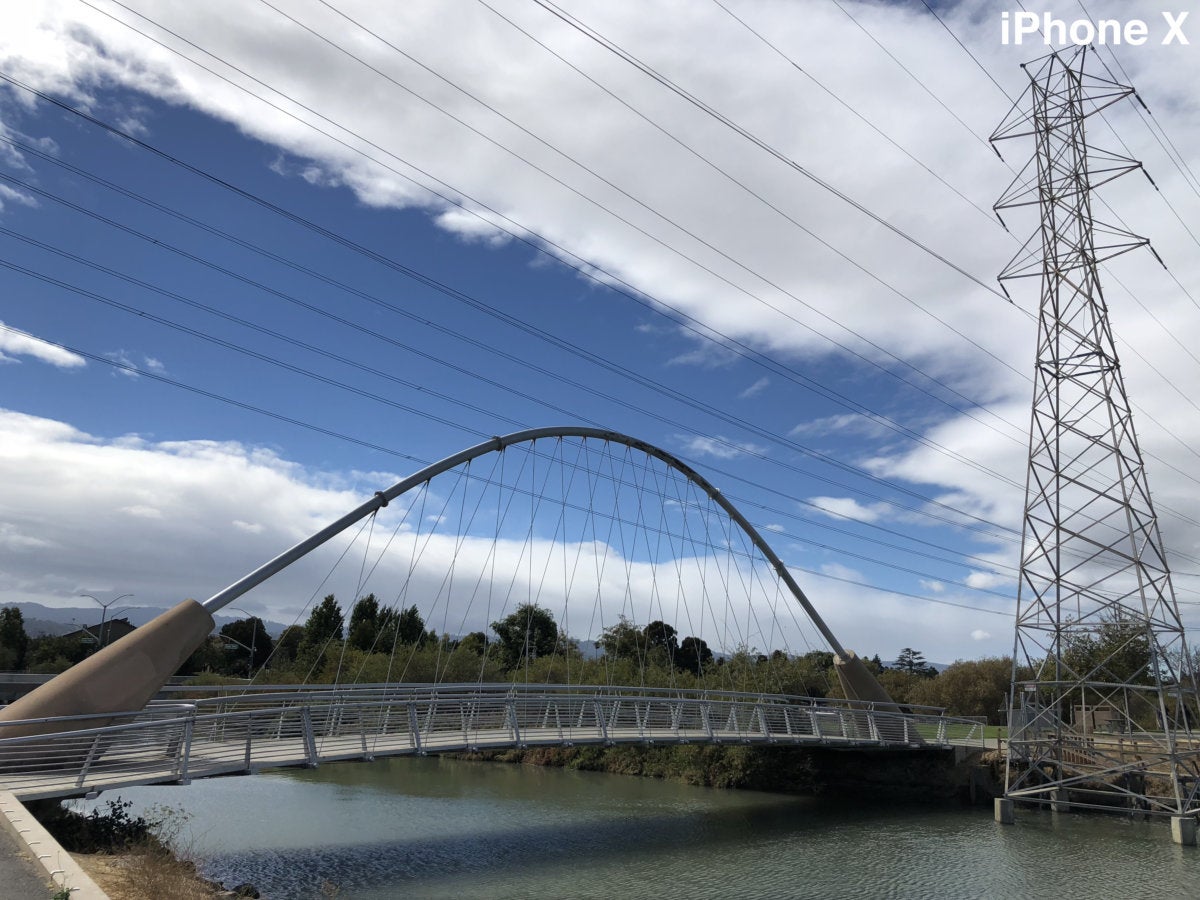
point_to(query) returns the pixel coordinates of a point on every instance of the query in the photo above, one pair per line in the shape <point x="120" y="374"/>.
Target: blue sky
<point x="118" y="481"/>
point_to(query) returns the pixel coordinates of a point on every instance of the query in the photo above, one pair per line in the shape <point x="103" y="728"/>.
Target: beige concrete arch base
<point x="858" y="683"/>
<point x="122" y="677"/>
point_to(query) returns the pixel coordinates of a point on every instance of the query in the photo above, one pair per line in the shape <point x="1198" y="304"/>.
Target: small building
<point x="113" y="630"/>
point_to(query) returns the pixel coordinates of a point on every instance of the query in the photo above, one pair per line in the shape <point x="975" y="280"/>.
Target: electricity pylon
<point x="1103" y="696"/>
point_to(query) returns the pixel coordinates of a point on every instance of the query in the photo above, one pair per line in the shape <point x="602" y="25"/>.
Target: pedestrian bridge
<point x="175" y="741"/>
<point x="536" y="536"/>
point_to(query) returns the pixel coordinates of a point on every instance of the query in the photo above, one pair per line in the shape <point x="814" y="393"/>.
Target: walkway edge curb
<point x="61" y="867"/>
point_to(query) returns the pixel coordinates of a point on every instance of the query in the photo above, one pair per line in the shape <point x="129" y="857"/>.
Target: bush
<point x="114" y="831"/>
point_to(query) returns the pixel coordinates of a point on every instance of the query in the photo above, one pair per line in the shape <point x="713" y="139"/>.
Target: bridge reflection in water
<point x="277" y="726"/>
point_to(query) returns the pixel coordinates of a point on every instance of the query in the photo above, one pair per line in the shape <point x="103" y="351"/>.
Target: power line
<point x="986" y="213"/>
<point x="585" y="268"/>
<point x="173" y="382"/>
<point x="598" y="38"/>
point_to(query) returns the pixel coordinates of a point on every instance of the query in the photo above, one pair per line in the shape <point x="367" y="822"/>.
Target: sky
<point x="259" y="260"/>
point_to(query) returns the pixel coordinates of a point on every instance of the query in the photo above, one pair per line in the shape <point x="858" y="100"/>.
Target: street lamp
<point x="104" y="615"/>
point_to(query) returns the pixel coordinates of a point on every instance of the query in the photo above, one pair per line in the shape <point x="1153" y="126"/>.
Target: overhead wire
<point x="315" y="309"/>
<point x="595" y="36"/>
<point x="600" y="39"/>
<point x="522" y="233"/>
<point x="329" y="432"/>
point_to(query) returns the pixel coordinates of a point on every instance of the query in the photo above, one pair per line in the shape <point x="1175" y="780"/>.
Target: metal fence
<point x="243" y="732"/>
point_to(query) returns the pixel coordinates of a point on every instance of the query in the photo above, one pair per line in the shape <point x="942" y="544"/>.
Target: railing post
<point x="706" y="718"/>
<point x="87" y="763"/>
<point x="510" y="706"/>
<point x="185" y="751"/>
<point x="762" y="722"/>
<point x="249" y="739"/>
<point x="601" y="720"/>
<point x="414" y="727"/>
<point x="310" y="739"/>
<point x="941" y="730"/>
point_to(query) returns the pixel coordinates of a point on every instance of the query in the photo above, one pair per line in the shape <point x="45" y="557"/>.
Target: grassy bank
<point x="893" y="775"/>
<point x="131" y="857"/>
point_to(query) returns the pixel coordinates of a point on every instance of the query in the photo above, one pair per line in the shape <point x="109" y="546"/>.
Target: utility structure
<point x="1103" y="701"/>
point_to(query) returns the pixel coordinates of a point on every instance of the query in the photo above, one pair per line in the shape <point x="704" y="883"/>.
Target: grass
<point x="129" y="857"/>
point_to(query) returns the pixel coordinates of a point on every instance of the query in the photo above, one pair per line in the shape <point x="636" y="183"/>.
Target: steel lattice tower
<point x="1103" y="694"/>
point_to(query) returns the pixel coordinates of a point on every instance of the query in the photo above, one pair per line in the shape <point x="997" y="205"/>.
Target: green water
<point x="446" y="828"/>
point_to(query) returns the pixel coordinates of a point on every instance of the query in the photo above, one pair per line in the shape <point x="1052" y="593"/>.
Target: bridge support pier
<point x="1004" y="811"/>
<point x="1183" y="830"/>
<point x="1058" y="800"/>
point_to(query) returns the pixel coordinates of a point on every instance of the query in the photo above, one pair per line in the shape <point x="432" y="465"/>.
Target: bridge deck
<point x="175" y="743"/>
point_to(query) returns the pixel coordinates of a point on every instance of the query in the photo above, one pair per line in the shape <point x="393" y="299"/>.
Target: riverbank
<point x="916" y="776"/>
<point x="131" y="857"/>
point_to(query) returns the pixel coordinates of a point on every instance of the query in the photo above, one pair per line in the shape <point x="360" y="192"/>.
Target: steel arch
<point x="495" y="445"/>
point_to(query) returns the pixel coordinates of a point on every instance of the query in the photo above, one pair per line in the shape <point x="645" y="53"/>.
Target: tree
<point x="1118" y="651"/>
<point x="476" y="642"/>
<point x="661" y="642"/>
<point x="693" y="654"/>
<point x="14" y="642"/>
<point x="324" y="624"/>
<point x="410" y="627"/>
<point x="288" y="645"/>
<point x="623" y="640"/>
<point x="208" y="657"/>
<point x="977" y="687"/>
<point x="364" y="624"/>
<point x="54" y="653"/>
<point x="913" y="662"/>
<point x="250" y="634"/>
<point x="528" y="633"/>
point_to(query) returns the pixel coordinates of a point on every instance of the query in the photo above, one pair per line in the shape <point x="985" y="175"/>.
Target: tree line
<point x="382" y="644"/>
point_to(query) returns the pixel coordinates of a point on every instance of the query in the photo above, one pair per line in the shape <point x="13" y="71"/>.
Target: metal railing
<point x="223" y="733"/>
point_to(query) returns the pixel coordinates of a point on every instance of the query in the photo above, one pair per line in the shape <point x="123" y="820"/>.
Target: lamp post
<point x="104" y="616"/>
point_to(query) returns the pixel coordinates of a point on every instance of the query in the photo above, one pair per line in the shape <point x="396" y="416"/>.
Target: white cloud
<point x="13" y="195"/>
<point x="719" y="447"/>
<point x="12" y="539"/>
<point x="129" y="366"/>
<point x="200" y="542"/>
<point x="71" y="51"/>
<point x="988" y="580"/>
<point x="849" y="508"/>
<point x="980" y="635"/>
<point x="851" y="423"/>
<point x="757" y="388"/>
<point x="14" y="343"/>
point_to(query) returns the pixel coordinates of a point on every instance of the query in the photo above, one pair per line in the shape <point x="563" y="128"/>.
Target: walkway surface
<point x="20" y="877"/>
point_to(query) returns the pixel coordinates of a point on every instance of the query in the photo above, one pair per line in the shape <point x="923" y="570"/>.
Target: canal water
<point x="448" y="828"/>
